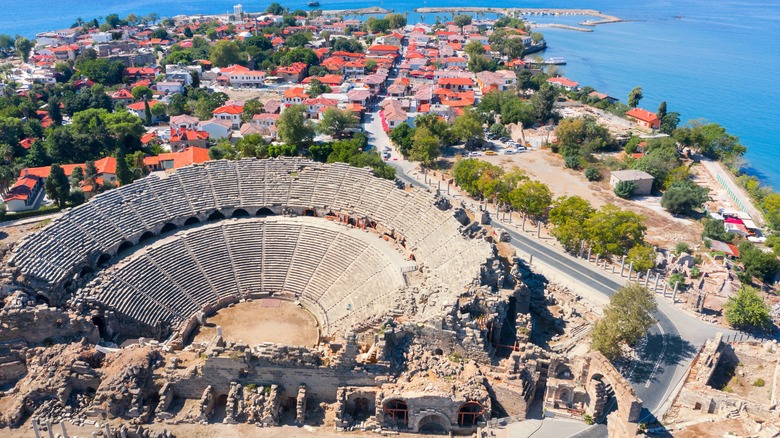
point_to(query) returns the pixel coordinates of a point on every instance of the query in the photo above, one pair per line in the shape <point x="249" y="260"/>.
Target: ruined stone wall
<point x="623" y="422"/>
<point x="52" y="325"/>
<point x="322" y="382"/>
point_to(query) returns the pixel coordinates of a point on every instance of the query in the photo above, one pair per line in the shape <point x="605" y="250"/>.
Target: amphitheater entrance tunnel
<point x="470" y="413"/>
<point x="396" y="413"/>
<point x="434" y="424"/>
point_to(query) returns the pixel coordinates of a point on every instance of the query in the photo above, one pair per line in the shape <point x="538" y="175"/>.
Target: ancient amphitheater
<point x="409" y="295"/>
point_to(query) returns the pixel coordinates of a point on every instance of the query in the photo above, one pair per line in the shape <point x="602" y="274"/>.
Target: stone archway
<point x="433" y="423"/>
<point x="470" y="413"/>
<point x="396" y="412"/>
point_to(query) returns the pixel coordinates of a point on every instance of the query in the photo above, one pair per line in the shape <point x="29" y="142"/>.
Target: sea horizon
<point x="705" y="60"/>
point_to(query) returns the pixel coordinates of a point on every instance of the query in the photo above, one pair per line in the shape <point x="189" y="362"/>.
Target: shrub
<point x="587" y="419"/>
<point x="677" y="277"/>
<point x="592" y="174"/>
<point x="759" y="382"/>
<point x="571" y="162"/>
<point x="682" y="247"/>
<point x="625" y="189"/>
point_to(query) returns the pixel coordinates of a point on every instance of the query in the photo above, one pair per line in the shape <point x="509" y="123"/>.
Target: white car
<point x="474" y="154"/>
<point x="509" y="152"/>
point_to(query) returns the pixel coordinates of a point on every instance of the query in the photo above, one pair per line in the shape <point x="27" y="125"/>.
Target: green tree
<point x="669" y="122"/>
<point x="292" y="125"/>
<point x="634" y="97"/>
<point x="337" y="123"/>
<point x="626" y="319"/>
<point x="748" y="310"/>
<point x="531" y="198"/>
<point x="683" y="197"/>
<point x="568" y="217"/>
<point x="403" y="137"/>
<point x="614" y="231"/>
<point x="77" y="197"/>
<point x="57" y="185"/>
<point x="757" y="263"/>
<point x="316" y="88"/>
<point x="142" y="92"/>
<point x="123" y="173"/>
<point x="474" y="48"/>
<point x="425" y="148"/>
<point x="102" y="71"/>
<point x="225" y="53"/>
<point x="771" y="206"/>
<point x="499" y="130"/>
<point x="467" y="127"/>
<point x="76" y="176"/>
<point x="625" y="189"/>
<point x="275" y="9"/>
<point x="147" y="113"/>
<point x="187" y="32"/>
<point x="661" y="110"/>
<point x="23" y="47"/>
<point x="713" y="229"/>
<point x="462" y="20"/>
<point x="158" y="109"/>
<point x="251" y="107"/>
<point x="395" y="21"/>
<point x="643" y="257"/>
<point x="54" y="111"/>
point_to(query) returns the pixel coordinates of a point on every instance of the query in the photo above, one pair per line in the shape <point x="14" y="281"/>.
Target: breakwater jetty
<point x="360" y="11"/>
<point x="603" y="18"/>
<point x="560" y="26"/>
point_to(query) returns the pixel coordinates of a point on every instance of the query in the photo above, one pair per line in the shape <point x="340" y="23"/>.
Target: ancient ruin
<point x="421" y="325"/>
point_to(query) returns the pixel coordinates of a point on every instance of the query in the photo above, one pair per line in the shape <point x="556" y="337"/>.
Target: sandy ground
<point x="663" y="229"/>
<point x="267" y="320"/>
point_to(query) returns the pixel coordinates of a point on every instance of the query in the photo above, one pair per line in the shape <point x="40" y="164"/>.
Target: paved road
<point x="670" y="345"/>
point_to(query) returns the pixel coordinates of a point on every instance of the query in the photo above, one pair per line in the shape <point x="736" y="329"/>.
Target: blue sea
<point x="717" y="60"/>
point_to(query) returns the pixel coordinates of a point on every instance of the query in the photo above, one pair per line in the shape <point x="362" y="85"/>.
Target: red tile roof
<point x="229" y="109"/>
<point x="642" y="115"/>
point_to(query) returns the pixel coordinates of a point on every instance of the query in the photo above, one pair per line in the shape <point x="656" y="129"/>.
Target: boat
<point x="313" y="4"/>
<point x="555" y="60"/>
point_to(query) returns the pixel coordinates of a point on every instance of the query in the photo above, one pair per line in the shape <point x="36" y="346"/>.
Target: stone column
<point x="655" y="286"/>
<point x="539" y="230"/>
<point x="589" y="249"/>
<point x="64" y="431"/>
<point x="622" y="264"/>
<point x="630" y="270"/>
<point x="48" y="429"/>
<point x="524" y="221"/>
<point x="582" y="248"/>
<point x="674" y="291"/>
<point x="666" y="285"/>
<point x="530" y="259"/>
<point x="36" y="431"/>
<point x="647" y="278"/>
<point x="108" y="430"/>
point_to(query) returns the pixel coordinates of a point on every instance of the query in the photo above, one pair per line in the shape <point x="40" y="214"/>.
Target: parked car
<point x="503" y="139"/>
<point x="474" y="154"/>
<point x="509" y="152"/>
<point x="491" y="153"/>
